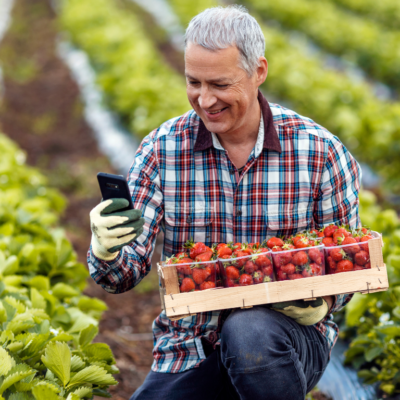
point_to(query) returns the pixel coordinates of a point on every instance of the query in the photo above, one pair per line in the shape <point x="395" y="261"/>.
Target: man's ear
<point x="262" y="70"/>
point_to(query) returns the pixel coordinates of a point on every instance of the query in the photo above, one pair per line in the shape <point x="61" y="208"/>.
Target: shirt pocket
<point x="287" y="222"/>
<point x="182" y="224"/>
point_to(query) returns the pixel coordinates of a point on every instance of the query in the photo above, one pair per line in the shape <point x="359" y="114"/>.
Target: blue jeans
<point x="263" y="355"/>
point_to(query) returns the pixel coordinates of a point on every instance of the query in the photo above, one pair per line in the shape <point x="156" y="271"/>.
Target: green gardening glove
<point x="113" y="229"/>
<point x="303" y="312"/>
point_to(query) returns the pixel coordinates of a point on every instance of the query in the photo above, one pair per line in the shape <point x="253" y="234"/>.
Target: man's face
<point x="221" y="92"/>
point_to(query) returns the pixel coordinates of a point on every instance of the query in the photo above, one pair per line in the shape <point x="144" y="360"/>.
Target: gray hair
<point x="220" y="27"/>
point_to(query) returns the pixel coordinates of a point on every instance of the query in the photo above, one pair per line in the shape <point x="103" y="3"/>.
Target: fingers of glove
<point x="298" y="304"/>
<point x="124" y="241"/>
<point x="131" y="215"/>
<point x="136" y="225"/>
<point x="113" y="205"/>
<point x="119" y="232"/>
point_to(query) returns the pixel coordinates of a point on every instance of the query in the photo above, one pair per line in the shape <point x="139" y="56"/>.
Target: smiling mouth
<point x="216" y="111"/>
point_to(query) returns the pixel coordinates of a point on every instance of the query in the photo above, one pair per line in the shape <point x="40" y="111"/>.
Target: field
<point x="334" y="61"/>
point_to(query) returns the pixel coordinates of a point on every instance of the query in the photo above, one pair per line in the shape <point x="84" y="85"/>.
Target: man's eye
<point x="221" y="86"/>
<point x="193" y="83"/>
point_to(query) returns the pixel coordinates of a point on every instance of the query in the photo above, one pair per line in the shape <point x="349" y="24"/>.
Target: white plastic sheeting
<point x="113" y="139"/>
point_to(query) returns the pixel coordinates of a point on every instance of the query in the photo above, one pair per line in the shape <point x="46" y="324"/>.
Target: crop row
<point x="46" y="323"/>
<point x="370" y="128"/>
<point x="364" y="42"/>
<point x="134" y="76"/>
<point x="387" y="12"/>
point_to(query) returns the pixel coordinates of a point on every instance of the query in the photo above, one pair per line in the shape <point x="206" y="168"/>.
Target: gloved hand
<point x="113" y="229"/>
<point x="303" y="312"/>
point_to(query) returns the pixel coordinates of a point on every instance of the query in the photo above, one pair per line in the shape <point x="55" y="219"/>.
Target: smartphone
<point x="114" y="186"/>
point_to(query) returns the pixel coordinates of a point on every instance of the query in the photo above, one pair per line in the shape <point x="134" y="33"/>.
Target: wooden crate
<point x="179" y="305"/>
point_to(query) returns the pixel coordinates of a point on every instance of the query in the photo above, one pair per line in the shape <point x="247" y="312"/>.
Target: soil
<point x="42" y="112"/>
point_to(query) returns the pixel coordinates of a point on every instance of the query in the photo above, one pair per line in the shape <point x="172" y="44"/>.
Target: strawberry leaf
<point x="57" y="358"/>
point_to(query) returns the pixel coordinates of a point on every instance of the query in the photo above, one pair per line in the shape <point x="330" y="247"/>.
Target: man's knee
<point x="255" y="336"/>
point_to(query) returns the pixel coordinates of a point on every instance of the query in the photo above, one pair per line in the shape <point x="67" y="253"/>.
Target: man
<point x="235" y="168"/>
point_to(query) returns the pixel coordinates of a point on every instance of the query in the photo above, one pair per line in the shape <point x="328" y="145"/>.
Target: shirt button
<point x="238" y="213"/>
<point x="232" y="172"/>
<point x="189" y="220"/>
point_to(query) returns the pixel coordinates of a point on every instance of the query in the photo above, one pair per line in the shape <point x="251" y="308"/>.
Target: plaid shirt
<point x="298" y="176"/>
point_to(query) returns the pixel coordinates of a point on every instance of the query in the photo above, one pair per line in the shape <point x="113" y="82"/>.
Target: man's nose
<point x="206" y="98"/>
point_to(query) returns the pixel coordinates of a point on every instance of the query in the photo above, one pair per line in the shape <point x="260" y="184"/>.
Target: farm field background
<point x="332" y="60"/>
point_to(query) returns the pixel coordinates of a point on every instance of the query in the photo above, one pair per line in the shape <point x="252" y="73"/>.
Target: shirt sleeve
<point x="133" y="262"/>
<point x="340" y="301"/>
<point x="337" y="201"/>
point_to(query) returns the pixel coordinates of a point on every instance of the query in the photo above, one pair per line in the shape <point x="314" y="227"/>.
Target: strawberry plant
<point x="46" y="324"/>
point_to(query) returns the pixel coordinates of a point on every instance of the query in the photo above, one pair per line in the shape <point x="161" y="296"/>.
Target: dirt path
<point x="41" y="110"/>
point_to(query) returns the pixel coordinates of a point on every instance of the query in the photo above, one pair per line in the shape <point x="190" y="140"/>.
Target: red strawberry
<point x="288" y="246"/>
<point x="361" y="258"/>
<point x="300" y="258"/>
<point x="276" y="248"/>
<point x="200" y="275"/>
<point x="295" y="276"/>
<point x="281" y="276"/>
<point x="249" y="267"/>
<point x="350" y="249"/>
<point x="358" y="267"/>
<point x="207" y="285"/>
<point x="320" y="234"/>
<point x="182" y="254"/>
<point x="245" y="280"/>
<point x="288" y="269"/>
<point x="315" y="255"/>
<point x="329" y="230"/>
<point x="344" y="265"/>
<point x="364" y="246"/>
<point x="285" y="258"/>
<point x="258" y="277"/>
<point x="230" y="283"/>
<point x="364" y="230"/>
<point x="274" y="241"/>
<point x="267" y="270"/>
<point x="331" y="263"/>
<point x="224" y="251"/>
<point x="367" y="265"/>
<point x="211" y="272"/>
<point x="263" y="260"/>
<point x="187" y="285"/>
<point x="337" y="254"/>
<point x="184" y="269"/>
<point x="196" y="248"/>
<point x="301" y="242"/>
<point x="206" y="256"/>
<point x="328" y="241"/>
<point x="171" y="260"/>
<point x="232" y="273"/>
<point x="314" y="269"/>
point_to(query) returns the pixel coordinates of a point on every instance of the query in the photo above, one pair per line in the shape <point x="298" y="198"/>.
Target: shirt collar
<point x="270" y="141"/>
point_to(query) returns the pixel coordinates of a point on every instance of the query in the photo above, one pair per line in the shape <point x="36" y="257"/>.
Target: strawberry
<point x="276" y="248"/>
<point x="331" y="263"/>
<point x="258" y="277"/>
<point x="350" y="249"/>
<point x="361" y="258"/>
<point x="267" y="271"/>
<point x="365" y="231"/>
<point x="295" y="276"/>
<point x="328" y="241"/>
<point x="249" y="267"/>
<point x="288" y="269"/>
<point x="200" y="275"/>
<point x="300" y="258"/>
<point x="247" y="249"/>
<point x="329" y="230"/>
<point x="230" y="283"/>
<point x="301" y="242"/>
<point x="364" y="246"/>
<point x="206" y="256"/>
<point x="211" y="272"/>
<point x="284" y="258"/>
<point x="196" y="248"/>
<point x="267" y="279"/>
<point x="358" y="267"/>
<point x="262" y="261"/>
<point x="337" y="254"/>
<point x="344" y="265"/>
<point x="367" y="265"/>
<point x="187" y="285"/>
<point x="274" y="241"/>
<point x="184" y="269"/>
<point x="232" y="273"/>
<point x="237" y="254"/>
<point x="224" y="251"/>
<point x="182" y="254"/>
<point x="207" y="285"/>
<point x="245" y="280"/>
<point x="320" y="234"/>
<point x="281" y="276"/>
<point x="171" y="260"/>
<point x="314" y="269"/>
<point x="288" y="246"/>
<point x="315" y="255"/>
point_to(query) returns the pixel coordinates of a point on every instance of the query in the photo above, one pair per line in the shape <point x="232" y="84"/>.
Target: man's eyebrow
<point x="211" y="80"/>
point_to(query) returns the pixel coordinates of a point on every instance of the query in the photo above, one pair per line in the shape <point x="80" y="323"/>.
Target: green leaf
<point x="356" y="309"/>
<point x="94" y="375"/>
<point x="99" y="351"/>
<point x="77" y="364"/>
<point x="42" y="392"/>
<point x="58" y="359"/>
<point x="87" y="335"/>
<point x="17" y="373"/>
<point x="84" y="391"/>
<point x="37" y="299"/>
<point x="373" y="353"/>
<point x="21" y="396"/>
<point x="39" y="282"/>
<point x="10" y="266"/>
<point x="391" y="331"/>
<point x="101" y="393"/>
<point x="73" y="396"/>
<point x="87" y="304"/>
<point x="62" y="290"/>
<point x="7" y="362"/>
